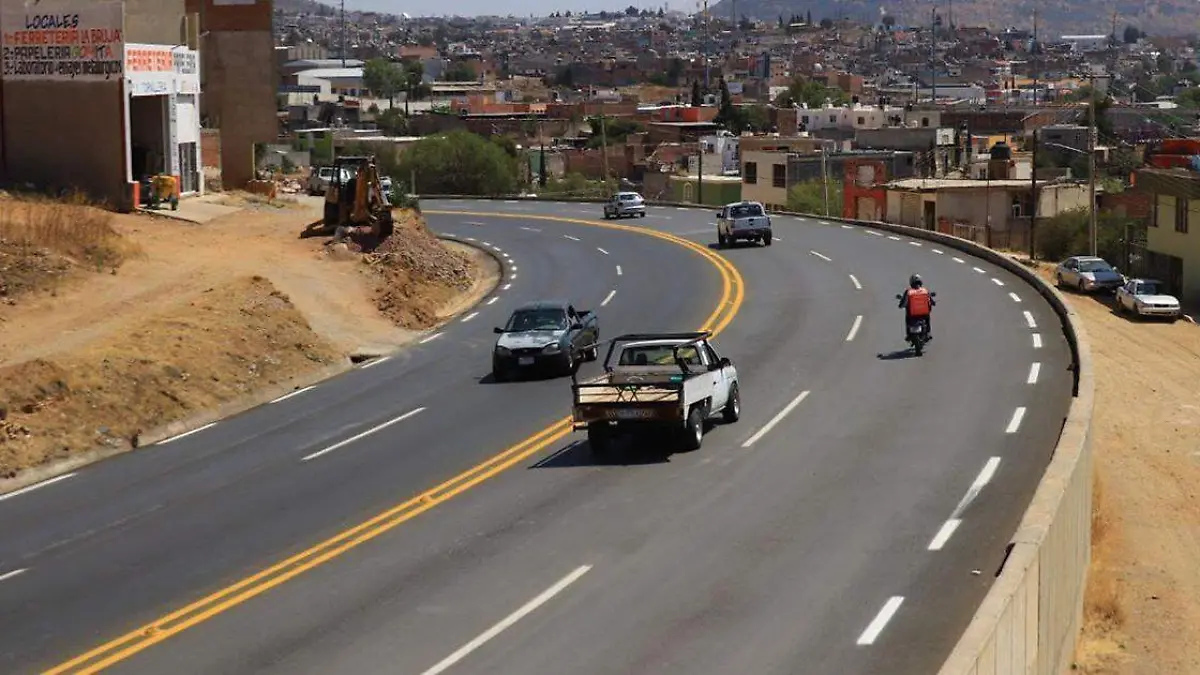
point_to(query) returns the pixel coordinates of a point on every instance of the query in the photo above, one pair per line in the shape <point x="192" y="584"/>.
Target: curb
<point x="227" y="410"/>
<point x="1030" y="619"/>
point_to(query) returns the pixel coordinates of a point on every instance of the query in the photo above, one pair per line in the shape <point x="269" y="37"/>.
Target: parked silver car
<point x="1144" y="297"/>
<point x="1086" y="274"/>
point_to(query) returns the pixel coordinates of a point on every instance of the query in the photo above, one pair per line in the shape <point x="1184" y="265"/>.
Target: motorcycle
<point x="918" y="331"/>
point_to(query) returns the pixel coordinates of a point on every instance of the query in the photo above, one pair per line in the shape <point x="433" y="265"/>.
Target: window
<point x="924" y="121"/>
<point x="1181" y="215"/>
<point x="862" y="121"/>
<point x="779" y="175"/>
<point x="833" y="119"/>
<point x="750" y="173"/>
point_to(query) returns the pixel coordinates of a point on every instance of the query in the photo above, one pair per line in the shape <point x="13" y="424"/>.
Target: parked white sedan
<point x="1144" y="297"/>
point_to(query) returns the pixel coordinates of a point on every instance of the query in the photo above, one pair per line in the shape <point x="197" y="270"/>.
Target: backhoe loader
<point x="355" y="200"/>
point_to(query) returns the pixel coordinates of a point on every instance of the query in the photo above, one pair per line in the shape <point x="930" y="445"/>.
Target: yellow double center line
<point x="114" y="651"/>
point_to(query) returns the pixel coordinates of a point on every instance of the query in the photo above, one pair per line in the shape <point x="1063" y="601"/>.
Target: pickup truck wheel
<point x="768" y="239"/>
<point x="733" y="408"/>
<point x="693" y="434"/>
<point x="642" y="214"/>
<point x="600" y="439"/>
<point x="570" y="364"/>
<point x="592" y="354"/>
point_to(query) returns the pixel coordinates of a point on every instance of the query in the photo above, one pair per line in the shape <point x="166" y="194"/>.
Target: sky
<point x="527" y="7"/>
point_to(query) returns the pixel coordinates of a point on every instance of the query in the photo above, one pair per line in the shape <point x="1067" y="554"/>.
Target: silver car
<point x="625" y="204"/>
<point x="1086" y="274"/>
<point x="1144" y="297"/>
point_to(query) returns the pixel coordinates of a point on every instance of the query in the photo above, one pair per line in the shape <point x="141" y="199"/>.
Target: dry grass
<point x="1101" y="646"/>
<point x="71" y="228"/>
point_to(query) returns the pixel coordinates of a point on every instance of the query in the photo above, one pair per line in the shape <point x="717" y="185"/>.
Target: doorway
<point x="148" y="136"/>
<point x="189" y="175"/>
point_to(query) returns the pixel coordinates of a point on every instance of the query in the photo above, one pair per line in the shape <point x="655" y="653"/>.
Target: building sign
<point x="158" y="70"/>
<point x="62" y="40"/>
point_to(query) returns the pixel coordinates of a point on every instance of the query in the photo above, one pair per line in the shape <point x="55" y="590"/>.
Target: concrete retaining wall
<point x="1030" y="619"/>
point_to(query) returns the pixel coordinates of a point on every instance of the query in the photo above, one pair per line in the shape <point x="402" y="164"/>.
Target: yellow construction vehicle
<point x="356" y="199"/>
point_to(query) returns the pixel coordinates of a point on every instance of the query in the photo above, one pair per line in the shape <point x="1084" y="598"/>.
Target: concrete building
<point x="1173" y="235"/>
<point x="768" y="175"/>
<point x="239" y="79"/>
<point x="98" y="94"/>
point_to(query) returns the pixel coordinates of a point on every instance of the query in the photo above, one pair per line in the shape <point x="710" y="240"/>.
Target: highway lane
<point x="788" y="539"/>
<point x="136" y="536"/>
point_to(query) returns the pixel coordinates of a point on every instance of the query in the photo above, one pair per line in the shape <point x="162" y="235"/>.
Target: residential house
<point x="1173" y="235"/>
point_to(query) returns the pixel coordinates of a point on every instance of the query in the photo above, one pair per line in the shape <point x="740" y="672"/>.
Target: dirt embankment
<point x="111" y="326"/>
<point x="1142" y="608"/>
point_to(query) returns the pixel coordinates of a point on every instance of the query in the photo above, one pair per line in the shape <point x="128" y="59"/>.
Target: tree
<point x="808" y="17"/>
<point x="1067" y="233"/>
<point x="809" y="197"/>
<point x="826" y="24"/>
<point x="631" y="11"/>
<point x="888" y="21"/>
<point x="1132" y="35"/>
<point x="614" y="130"/>
<point x="383" y="78"/>
<point x="460" y="162"/>
<point x="461" y="71"/>
<point x="674" y="71"/>
<point x="1189" y="98"/>
<point x="696" y="98"/>
<point x="811" y="93"/>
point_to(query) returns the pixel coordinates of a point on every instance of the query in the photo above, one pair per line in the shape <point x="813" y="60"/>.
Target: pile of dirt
<point x="418" y="274"/>
<point x="26" y="269"/>
<point x="219" y="347"/>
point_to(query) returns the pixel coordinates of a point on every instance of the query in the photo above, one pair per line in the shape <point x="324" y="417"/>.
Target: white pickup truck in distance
<point x="658" y="381"/>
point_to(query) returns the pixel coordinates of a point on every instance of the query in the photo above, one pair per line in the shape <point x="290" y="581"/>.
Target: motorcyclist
<point x="917" y="303"/>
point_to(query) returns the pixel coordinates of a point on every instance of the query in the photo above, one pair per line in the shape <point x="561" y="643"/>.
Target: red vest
<point x="919" y="302"/>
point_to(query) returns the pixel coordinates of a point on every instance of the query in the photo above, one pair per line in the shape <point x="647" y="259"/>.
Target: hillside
<point x="306" y="6"/>
<point x="1056" y="17"/>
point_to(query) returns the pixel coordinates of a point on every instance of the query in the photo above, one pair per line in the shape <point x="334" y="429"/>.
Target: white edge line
<point x="938" y="251"/>
<point x="470" y="316"/>
<point x="943" y="534"/>
<point x="294" y="393"/>
<point x="619" y="270"/>
<point x="1037" y="341"/>
<point x="1029" y="320"/>
<point x="508" y="621"/>
<point x="1034" y="371"/>
<point x="8" y="575"/>
<point x="571" y="238"/>
<point x="1015" y="297"/>
<point x="847" y="227"/>
<point x="854" y="329"/>
<point x="873" y="232"/>
<point x="985" y="476"/>
<point x="776" y="419"/>
<point x="368" y="432"/>
<point x="35" y="486"/>
<point x="505" y="287"/>
<point x="431" y="338"/>
<point x="997" y="281"/>
<point x="375" y="362"/>
<point x="493" y="301"/>
<point x="1015" y="423"/>
<point x="880" y="621"/>
<point x="894" y="238"/>
<point x="914" y="243"/>
<point x="187" y="433"/>
<point x="980" y="270"/>
<point x="822" y="257"/>
<point x="602" y="250"/>
<point x="608" y="298"/>
<point x="960" y="261"/>
<point x="857" y="284"/>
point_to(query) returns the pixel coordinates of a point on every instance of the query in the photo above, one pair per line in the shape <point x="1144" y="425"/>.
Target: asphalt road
<point x="849" y="523"/>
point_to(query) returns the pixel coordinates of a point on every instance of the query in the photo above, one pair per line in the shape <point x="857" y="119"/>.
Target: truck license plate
<point x="633" y="414"/>
<point x="525" y="361"/>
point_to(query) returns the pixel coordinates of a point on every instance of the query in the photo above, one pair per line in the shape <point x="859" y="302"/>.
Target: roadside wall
<point x="1030" y="620"/>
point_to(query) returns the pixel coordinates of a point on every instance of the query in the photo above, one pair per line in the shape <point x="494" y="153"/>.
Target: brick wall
<point x="210" y="148"/>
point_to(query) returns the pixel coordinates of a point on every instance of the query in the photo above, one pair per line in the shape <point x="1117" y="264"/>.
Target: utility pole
<point x="706" y="37"/>
<point x="1033" y="49"/>
<point x="541" y="155"/>
<point x="700" y="172"/>
<point x="1092" y="161"/>
<point x="933" y="54"/>
<point x="1033" y="204"/>
<point x="604" y="147"/>
<point x="825" y="179"/>
<point x="343" y="33"/>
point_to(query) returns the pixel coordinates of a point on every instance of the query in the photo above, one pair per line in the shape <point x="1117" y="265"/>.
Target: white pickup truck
<point x="658" y="381"/>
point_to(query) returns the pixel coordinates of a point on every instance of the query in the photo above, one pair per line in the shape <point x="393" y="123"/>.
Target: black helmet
<point x="915" y="281"/>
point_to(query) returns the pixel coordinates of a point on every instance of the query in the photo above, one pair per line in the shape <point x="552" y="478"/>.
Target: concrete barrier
<point x="1031" y="617"/>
